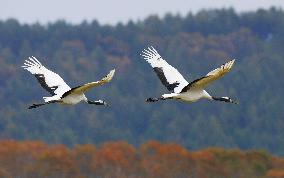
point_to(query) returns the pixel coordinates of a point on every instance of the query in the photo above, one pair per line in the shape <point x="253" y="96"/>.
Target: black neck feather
<point x="221" y="99"/>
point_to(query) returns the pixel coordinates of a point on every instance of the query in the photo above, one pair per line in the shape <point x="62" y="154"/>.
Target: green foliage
<point x="194" y="44"/>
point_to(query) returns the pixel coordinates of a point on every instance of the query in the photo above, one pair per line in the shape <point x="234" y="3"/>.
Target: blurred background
<point x="113" y="12"/>
<point x="83" y="40"/>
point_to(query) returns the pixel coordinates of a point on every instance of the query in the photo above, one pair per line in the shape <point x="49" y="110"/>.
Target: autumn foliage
<point x="35" y="159"/>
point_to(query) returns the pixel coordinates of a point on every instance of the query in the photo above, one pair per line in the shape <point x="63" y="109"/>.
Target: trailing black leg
<point x="154" y="99"/>
<point x="36" y="105"/>
<point x="41" y="104"/>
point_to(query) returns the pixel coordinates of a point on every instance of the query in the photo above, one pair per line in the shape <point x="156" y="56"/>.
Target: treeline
<point x="195" y="44"/>
<point x="34" y="159"/>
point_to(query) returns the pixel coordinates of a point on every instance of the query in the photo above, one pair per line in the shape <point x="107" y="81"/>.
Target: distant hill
<point x="194" y="44"/>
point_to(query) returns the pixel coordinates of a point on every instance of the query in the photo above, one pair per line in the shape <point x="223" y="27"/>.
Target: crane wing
<point x="210" y="77"/>
<point x="169" y="76"/>
<point x="87" y="86"/>
<point x="49" y="80"/>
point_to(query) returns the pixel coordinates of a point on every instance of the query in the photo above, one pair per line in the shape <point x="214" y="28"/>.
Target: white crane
<point x="180" y="89"/>
<point x="60" y="91"/>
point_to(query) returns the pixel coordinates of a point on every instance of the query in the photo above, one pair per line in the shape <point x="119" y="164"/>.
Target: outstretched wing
<point x="210" y="77"/>
<point x="87" y="86"/>
<point x="169" y="76"/>
<point x="49" y="80"/>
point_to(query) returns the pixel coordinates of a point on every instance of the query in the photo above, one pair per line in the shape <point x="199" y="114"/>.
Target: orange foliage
<point x="157" y="158"/>
<point x="121" y="160"/>
<point x="17" y="157"/>
<point x="57" y="161"/>
<point x="115" y="158"/>
<point x="275" y="173"/>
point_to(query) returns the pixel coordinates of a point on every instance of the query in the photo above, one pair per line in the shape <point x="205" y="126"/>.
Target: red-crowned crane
<point x="60" y="91"/>
<point x="180" y="89"/>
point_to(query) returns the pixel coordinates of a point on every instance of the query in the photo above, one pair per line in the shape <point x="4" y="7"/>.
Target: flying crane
<point x="60" y="91"/>
<point x="181" y="89"/>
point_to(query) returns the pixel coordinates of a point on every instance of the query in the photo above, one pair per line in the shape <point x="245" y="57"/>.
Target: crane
<point x="60" y="91"/>
<point x="181" y="89"/>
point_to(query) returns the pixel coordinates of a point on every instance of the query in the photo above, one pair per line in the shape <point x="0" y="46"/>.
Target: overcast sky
<point x="113" y="11"/>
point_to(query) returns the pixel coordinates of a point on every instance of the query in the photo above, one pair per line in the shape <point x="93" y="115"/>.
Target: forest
<point x="195" y="44"/>
<point x="35" y="159"/>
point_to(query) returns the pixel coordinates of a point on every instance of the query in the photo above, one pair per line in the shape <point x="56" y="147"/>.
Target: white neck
<point x="206" y="95"/>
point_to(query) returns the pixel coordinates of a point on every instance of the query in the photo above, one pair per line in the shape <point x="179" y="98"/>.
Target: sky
<point x="114" y="11"/>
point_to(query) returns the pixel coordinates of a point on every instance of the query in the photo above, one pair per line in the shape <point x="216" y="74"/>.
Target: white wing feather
<point x="169" y="75"/>
<point x="49" y="80"/>
<point x="212" y="76"/>
<point x="88" y="86"/>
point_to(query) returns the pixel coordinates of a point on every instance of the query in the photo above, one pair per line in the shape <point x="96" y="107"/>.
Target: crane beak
<point x="234" y="102"/>
<point x="101" y="102"/>
<point x="106" y="104"/>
